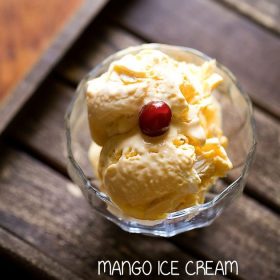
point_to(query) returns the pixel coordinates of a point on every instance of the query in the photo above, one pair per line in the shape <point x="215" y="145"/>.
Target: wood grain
<point x="265" y="12"/>
<point x="31" y="44"/>
<point x="44" y="125"/>
<point x="40" y="265"/>
<point x="26" y="29"/>
<point x="247" y="232"/>
<point x="64" y="227"/>
<point x="264" y="176"/>
<point x="248" y="50"/>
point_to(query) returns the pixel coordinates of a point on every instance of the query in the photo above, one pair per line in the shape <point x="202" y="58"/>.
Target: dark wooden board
<point x="248" y="50"/>
<point x="265" y="12"/>
<point x="39" y="265"/>
<point x="247" y="232"/>
<point x="48" y="212"/>
<point x="31" y="44"/>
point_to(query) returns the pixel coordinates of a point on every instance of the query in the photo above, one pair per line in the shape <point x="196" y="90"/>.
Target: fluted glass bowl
<point x="238" y="126"/>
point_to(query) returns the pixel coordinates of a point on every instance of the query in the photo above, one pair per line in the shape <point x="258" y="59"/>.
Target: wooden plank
<point x="247" y="232"/>
<point x="245" y="48"/>
<point x="39" y="265"/>
<point x="263" y="177"/>
<point x="25" y="33"/>
<point x="49" y="212"/>
<point x="265" y="12"/>
<point x="29" y="52"/>
<point x="44" y="125"/>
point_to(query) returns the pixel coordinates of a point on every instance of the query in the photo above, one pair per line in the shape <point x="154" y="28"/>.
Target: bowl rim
<point x="196" y="208"/>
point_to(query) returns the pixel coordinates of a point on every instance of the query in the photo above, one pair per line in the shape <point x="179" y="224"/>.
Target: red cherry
<point x="154" y="118"/>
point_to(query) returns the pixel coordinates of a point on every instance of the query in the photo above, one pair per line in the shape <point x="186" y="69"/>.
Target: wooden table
<point x="47" y="230"/>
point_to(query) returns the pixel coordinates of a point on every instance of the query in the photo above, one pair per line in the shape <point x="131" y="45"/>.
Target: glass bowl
<point x="238" y="126"/>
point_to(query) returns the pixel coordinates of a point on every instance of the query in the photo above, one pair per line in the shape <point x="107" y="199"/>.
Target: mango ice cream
<point x="149" y="176"/>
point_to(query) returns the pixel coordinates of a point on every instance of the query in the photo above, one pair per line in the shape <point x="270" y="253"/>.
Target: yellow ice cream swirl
<point x="148" y="177"/>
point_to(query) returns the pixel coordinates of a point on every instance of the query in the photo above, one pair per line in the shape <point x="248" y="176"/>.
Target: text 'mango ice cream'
<point x="146" y="175"/>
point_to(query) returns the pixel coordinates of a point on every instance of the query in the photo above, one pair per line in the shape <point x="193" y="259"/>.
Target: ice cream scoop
<point x="148" y="175"/>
